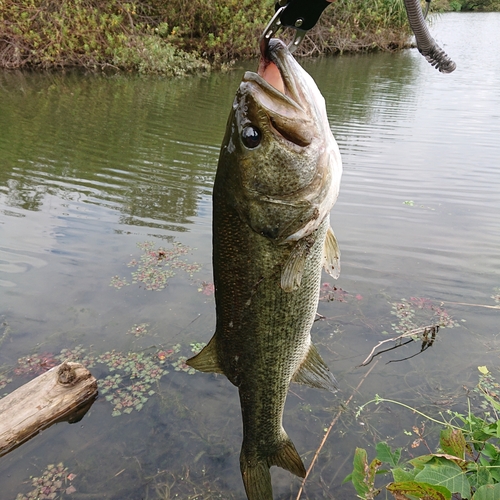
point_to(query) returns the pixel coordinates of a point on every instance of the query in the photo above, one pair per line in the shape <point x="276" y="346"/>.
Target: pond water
<point x="100" y="175"/>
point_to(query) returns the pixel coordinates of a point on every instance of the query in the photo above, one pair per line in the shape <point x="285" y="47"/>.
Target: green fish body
<point x="277" y="179"/>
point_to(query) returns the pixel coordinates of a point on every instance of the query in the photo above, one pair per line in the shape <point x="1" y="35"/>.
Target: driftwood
<point x="56" y="395"/>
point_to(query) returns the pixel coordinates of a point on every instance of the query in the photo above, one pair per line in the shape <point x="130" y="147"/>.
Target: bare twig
<point x="415" y="332"/>
<point x="327" y="433"/>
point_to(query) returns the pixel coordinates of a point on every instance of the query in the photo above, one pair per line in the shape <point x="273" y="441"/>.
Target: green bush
<point x="465" y="5"/>
<point x="156" y="36"/>
<point x="467" y="462"/>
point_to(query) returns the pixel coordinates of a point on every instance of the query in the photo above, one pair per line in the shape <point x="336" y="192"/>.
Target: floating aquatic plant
<point x="130" y="387"/>
<point x="77" y="355"/>
<point x="417" y="311"/>
<point x="329" y="293"/>
<point x="52" y="484"/>
<point x="131" y="375"/>
<point x="181" y="366"/>
<point x="196" y="347"/>
<point x="111" y="382"/>
<point x="138" y="330"/>
<point x="206" y="288"/>
<point x="118" y="282"/>
<point x="4" y="380"/>
<point x="35" y="364"/>
<point x="156" y="266"/>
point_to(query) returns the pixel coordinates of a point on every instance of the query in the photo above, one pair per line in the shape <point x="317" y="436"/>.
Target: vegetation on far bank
<point x="465" y="5"/>
<point x="180" y="36"/>
<point x="177" y="37"/>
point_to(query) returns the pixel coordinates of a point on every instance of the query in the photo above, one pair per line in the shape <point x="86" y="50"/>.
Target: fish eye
<point x="251" y="137"/>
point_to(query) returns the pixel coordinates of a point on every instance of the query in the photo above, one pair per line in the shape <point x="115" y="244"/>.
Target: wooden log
<point x="53" y="396"/>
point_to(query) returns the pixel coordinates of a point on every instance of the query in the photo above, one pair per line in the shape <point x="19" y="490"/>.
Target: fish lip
<point x="277" y="52"/>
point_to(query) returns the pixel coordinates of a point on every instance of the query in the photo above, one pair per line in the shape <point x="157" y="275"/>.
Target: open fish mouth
<point x="280" y="90"/>
<point x="277" y="73"/>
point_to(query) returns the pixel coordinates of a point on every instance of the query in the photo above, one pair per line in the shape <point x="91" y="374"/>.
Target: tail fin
<point x="257" y="480"/>
<point x="255" y="471"/>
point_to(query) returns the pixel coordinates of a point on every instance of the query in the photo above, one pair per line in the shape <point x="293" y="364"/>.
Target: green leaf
<point x="487" y="492"/>
<point x="442" y="472"/>
<point x="360" y="466"/>
<point x="480" y="477"/>
<point x="363" y="475"/>
<point x="490" y="451"/>
<point x="401" y="475"/>
<point x="452" y="441"/>
<point x="420" y="490"/>
<point x="385" y="454"/>
<point x="347" y="478"/>
<point x="419" y="462"/>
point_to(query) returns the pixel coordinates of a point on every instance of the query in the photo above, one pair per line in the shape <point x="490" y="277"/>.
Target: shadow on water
<point x="92" y="168"/>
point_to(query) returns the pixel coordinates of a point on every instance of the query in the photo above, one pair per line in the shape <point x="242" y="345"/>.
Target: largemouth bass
<point x="277" y="179"/>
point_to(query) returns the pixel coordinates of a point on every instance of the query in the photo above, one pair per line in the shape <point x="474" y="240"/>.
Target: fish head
<point x="280" y="164"/>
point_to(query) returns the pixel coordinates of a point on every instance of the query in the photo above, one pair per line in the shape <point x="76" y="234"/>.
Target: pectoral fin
<point x="206" y="360"/>
<point x="314" y="372"/>
<point x="293" y="270"/>
<point x="332" y="255"/>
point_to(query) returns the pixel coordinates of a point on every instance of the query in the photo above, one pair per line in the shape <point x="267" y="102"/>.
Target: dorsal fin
<point x="314" y="372"/>
<point x="206" y="360"/>
<point x="332" y="254"/>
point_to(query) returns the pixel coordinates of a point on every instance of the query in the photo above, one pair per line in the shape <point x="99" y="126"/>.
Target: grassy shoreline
<point x="180" y="37"/>
<point x="176" y="37"/>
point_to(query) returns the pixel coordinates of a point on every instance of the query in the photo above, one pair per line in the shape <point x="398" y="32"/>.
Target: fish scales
<point x="277" y="179"/>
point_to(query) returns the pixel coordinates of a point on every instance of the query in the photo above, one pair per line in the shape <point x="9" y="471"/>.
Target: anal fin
<point x="332" y="254"/>
<point x="314" y="372"/>
<point x="288" y="458"/>
<point x="206" y="360"/>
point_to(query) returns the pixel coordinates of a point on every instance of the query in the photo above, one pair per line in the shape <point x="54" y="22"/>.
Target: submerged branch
<point x="421" y="332"/>
<point x="327" y="433"/>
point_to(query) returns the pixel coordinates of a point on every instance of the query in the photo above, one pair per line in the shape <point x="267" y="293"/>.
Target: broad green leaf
<point x="443" y="472"/>
<point x="463" y="464"/>
<point x="401" y="475"/>
<point x="452" y="441"/>
<point x="480" y="477"/>
<point x="385" y="454"/>
<point x="487" y="492"/>
<point x="420" y="490"/>
<point x="495" y="473"/>
<point x="363" y="475"/>
<point x="360" y="467"/>
<point x="490" y="451"/>
<point x="419" y="462"/>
